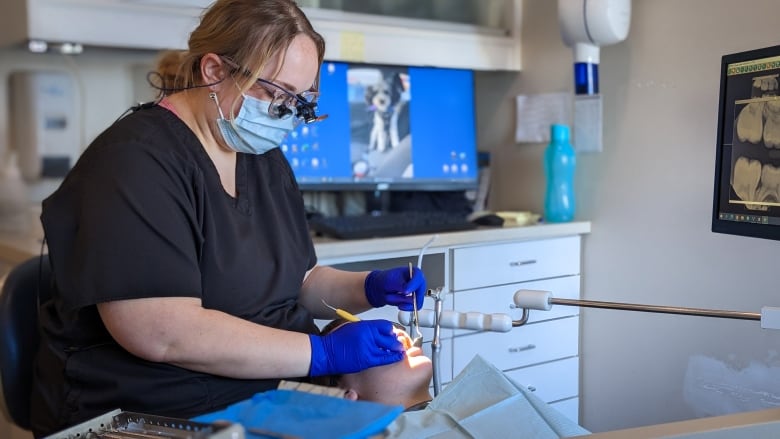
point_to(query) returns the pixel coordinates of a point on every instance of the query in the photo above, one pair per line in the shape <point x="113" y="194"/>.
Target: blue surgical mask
<point x="253" y="131"/>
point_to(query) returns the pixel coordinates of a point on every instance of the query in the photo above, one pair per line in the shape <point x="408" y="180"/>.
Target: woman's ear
<point x="212" y="69"/>
<point x="351" y="395"/>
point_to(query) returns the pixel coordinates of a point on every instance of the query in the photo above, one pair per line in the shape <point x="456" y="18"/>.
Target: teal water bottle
<point x="559" y="163"/>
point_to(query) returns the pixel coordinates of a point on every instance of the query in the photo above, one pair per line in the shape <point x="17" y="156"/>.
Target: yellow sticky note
<point x="353" y="46"/>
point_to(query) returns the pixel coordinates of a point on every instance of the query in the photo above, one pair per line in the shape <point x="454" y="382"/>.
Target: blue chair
<point x="27" y="285"/>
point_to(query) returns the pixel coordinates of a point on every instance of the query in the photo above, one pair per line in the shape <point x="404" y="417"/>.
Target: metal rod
<point x="523" y="319"/>
<point x="658" y="309"/>
<point x="436" y="342"/>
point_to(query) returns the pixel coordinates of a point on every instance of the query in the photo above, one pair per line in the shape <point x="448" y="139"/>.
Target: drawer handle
<point x="522" y="348"/>
<point x="521" y="263"/>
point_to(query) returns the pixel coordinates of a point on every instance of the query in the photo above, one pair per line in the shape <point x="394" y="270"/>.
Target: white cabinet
<point x="506" y="263"/>
<point x="543" y="354"/>
<point x="405" y="41"/>
<point x="524" y="346"/>
<point x="166" y="24"/>
<point x="136" y="24"/>
<point x="495" y="14"/>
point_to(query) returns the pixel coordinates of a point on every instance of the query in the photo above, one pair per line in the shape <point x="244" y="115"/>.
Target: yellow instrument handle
<point x="346" y="315"/>
<point x="341" y="313"/>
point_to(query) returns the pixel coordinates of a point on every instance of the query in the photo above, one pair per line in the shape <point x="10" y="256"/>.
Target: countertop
<point x="16" y="247"/>
<point x="754" y="424"/>
<point x="334" y="249"/>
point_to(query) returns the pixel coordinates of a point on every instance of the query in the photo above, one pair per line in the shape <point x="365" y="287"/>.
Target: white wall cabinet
<point x="416" y="42"/>
<point x="496" y="14"/>
<point x="166" y="24"/>
<point x="132" y="24"/>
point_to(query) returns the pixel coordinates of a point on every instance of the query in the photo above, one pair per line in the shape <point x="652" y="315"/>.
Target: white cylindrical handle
<point x="533" y="299"/>
<point x="425" y="317"/>
<point x="458" y="320"/>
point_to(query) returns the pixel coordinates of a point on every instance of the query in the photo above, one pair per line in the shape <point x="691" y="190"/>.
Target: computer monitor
<point x="389" y="128"/>
<point x="747" y="172"/>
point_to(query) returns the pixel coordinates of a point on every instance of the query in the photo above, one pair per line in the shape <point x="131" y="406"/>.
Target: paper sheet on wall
<point x="535" y="114"/>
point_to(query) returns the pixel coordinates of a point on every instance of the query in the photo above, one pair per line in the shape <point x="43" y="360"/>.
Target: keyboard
<point x="389" y="224"/>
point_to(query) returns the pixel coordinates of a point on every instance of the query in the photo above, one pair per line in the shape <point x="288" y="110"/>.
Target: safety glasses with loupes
<point x="285" y="103"/>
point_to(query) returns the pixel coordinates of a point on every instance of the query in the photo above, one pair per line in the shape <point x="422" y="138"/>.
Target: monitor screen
<point x="388" y="128"/>
<point x="747" y="174"/>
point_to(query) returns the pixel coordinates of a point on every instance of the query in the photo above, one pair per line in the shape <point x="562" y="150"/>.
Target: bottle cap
<point x="559" y="133"/>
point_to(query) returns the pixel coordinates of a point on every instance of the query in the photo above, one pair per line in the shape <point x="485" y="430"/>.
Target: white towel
<point x="481" y="402"/>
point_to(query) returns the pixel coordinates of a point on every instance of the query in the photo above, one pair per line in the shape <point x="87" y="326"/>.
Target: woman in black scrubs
<point x="185" y="276"/>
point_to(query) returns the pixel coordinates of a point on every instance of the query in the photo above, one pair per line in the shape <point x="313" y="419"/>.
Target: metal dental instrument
<point x="436" y="342"/>
<point x="341" y="313"/>
<point x="417" y="342"/>
<point x="414" y="327"/>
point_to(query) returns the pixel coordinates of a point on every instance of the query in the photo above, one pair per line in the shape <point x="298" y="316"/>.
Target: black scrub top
<point x="144" y="214"/>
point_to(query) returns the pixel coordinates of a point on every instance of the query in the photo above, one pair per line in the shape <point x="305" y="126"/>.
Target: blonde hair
<point x="247" y="32"/>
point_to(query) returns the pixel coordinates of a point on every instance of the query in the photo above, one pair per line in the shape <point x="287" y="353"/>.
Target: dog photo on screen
<point x="379" y="110"/>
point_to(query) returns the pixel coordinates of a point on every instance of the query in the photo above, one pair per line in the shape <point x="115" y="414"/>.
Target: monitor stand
<point x="377" y="202"/>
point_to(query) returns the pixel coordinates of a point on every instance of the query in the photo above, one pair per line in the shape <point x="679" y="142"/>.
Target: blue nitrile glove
<point x="354" y="347"/>
<point x="393" y="287"/>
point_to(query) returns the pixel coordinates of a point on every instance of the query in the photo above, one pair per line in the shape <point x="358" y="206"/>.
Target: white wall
<point x="649" y="196"/>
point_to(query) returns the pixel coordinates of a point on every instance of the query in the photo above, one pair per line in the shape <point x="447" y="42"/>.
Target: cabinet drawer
<point x="497" y="264"/>
<point x="500" y="300"/>
<point x="522" y="346"/>
<point x="550" y="381"/>
<point x="569" y="408"/>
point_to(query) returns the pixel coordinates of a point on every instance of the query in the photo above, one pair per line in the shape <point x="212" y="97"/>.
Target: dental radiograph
<point x="755" y="179"/>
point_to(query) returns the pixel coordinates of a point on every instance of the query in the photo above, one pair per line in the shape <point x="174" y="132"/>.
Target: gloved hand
<point x="393" y="287"/>
<point x="354" y="347"/>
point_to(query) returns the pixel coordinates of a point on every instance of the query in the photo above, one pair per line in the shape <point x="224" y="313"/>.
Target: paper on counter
<point x="535" y="114"/>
